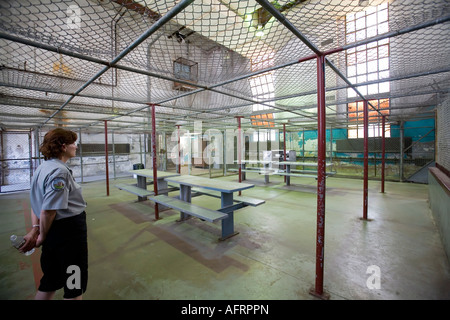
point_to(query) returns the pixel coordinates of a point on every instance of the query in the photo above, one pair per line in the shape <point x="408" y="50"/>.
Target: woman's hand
<point x="46" y="220"/>
<point x="40" y="240"/>
<point x="31" y="239"/>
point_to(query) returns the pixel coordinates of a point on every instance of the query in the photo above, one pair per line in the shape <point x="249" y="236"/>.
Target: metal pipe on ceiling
<point x="282" y="19"/>
<point x="157" y="25"/>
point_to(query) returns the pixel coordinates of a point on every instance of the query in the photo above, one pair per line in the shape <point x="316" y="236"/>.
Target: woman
<point x="59" y="219"/>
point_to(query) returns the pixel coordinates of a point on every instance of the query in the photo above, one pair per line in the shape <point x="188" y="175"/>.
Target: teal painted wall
<point x="415" y="130"/>
<point x="312" y="135"/>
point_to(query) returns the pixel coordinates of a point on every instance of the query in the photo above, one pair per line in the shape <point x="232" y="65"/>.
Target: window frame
<point x="366" y="63"/>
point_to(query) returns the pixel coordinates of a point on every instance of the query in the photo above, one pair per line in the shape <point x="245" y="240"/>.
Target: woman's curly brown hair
<point x="53" y="142"/>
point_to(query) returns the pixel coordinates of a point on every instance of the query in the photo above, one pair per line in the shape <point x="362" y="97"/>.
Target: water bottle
<point x="18" y="241"/>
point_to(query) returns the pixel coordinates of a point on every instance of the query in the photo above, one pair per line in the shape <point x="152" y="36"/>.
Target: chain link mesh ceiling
<point x="78" y="63"/>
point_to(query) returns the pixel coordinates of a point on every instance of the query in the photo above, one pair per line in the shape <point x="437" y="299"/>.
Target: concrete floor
<point x="132" y="256"/>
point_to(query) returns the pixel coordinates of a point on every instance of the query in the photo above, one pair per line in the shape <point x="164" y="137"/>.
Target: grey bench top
<point x="306" y="164"/>
<point x="247" y="200"/>
<point x="250" y="201"/>
<point x="189" y="208"/>
<point x="256" y="170"/>
<point x="262" y="171"/>
<point x="135" y="190"/>
<point x="306" y="175"/>
<point x="148" y="173"/>
<point x="296" y="175"/>
<point x="211" y="184"/>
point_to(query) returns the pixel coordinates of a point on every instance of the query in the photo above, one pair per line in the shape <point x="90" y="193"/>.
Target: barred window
<point x="366" y="65"/>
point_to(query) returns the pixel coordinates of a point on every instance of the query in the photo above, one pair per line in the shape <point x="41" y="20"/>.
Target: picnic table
<point x="299" y="173"/>
<point x="266" y="170"/>
<point x="140" y="188"/>
<point x="208" y="187"/>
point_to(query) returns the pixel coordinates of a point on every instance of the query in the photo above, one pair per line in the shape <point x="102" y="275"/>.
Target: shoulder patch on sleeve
<point x="58" y="184"/>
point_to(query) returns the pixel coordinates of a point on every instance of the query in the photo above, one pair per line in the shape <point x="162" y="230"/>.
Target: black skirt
<point x="64" y="258"/>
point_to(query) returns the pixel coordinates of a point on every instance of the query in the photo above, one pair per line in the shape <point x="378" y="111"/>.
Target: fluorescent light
<point x="259" y="31"/>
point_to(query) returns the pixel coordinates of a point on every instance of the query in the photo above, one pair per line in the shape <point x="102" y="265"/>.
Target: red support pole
<point x="321" y="132"/>
<point x="366" y="158"/>
<point x="106" y="157"/>
<point x="383" y="150"/>
<point x="284" y="146"/>
<point x="179" y="151"/>
<point x="155" y="174"/>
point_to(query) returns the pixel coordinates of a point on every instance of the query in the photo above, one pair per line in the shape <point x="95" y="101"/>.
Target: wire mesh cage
<point x="80" y="63"/>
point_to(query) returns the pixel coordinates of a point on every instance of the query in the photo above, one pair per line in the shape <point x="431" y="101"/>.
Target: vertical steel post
<point x="114" y="154"/>
<point x="402" y="147"/>
<point x="164" y="167"/>
<point x="140" y="148"/>
<point x="179" y="150"/>
<point x="383" y="150"/>
<point x="331" y="145"/>
<point x="321" y="132"/>
<point x="303" y="144"/>
<point x="106" y="157"/>
<point x="366" y="158"/>
<point x="284" y="147"/>
<point x="30" y="154"/>
<point x="224" y="152"/>
<point x="2" y="176"/>
<point x="239" y="142"/>
<point x="155" y="174"/>
<point x="81" y="156"/>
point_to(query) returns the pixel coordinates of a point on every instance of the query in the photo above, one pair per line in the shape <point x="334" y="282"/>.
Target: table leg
<point x="185" y="195"/>
<point x="228" y="223"/>
<point x="266" y="176"/>
<point x="142" y="183"/>
<point x="242" y="171"/>
<point x="288" y="178"/>
<point x="162" y="184"/>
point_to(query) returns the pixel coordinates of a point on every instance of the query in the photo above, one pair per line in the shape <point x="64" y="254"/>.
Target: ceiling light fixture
<point x="363" y="3"/>
<point x="260" y="31"/>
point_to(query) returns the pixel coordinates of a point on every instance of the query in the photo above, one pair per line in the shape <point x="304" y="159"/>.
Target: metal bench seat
<point x="134" y="189"/>
<point x="189" y="208"/>
<point x="247" y="200"/>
